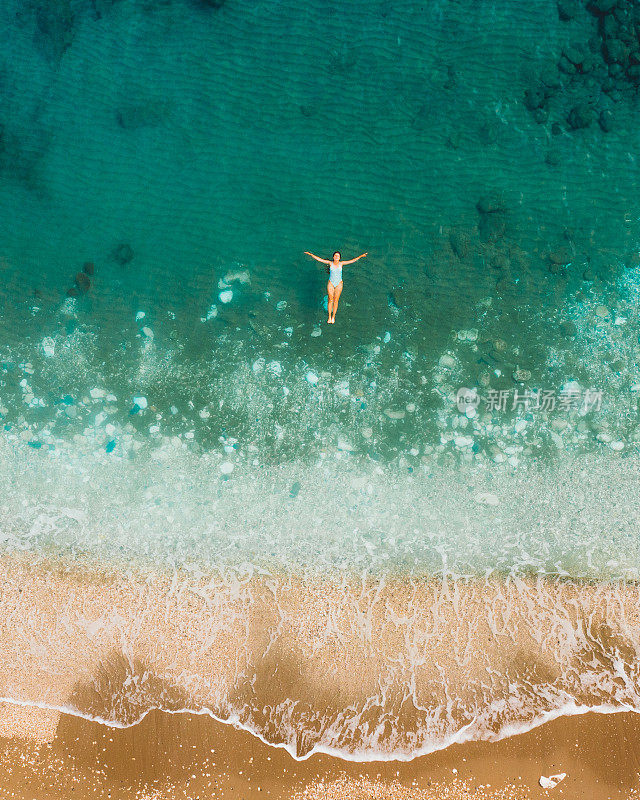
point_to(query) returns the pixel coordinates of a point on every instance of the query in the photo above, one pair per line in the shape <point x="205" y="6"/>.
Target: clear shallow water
<point x="186" y="153"/>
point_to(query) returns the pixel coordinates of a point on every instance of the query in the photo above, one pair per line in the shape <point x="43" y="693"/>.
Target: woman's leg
<point x="336" y="296"/>
<point x="330" y="300"/>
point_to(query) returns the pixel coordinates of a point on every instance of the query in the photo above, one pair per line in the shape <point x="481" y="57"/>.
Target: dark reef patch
<point x="83" y="282"/>
<point x="493" y="217"/>
<point x="459" y="243"/>
<point x="133" y="116"/>
<point x="21" y="151"/>
<point x="123" y="254"/>
<point x="53" y="22"/>
<point x="102" y="7"/>
<point x="592" y="76"/>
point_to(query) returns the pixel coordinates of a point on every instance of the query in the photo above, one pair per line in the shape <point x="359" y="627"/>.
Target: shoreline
<point x="35" y="721"/>
<point x="169" y="756"/>
<point x="360" y="670"/>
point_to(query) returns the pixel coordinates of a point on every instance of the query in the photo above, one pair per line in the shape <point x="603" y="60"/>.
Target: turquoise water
<point x="169" y="389"/>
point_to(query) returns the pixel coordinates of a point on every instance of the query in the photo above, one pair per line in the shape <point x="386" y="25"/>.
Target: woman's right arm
<point x="317" y="258"/>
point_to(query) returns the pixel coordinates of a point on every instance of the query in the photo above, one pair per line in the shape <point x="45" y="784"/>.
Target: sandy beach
<point x="367" y="670"/>
<point x="187" y="756"/>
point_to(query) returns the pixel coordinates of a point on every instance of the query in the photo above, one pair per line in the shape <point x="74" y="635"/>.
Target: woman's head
<point x="337" y="256"/>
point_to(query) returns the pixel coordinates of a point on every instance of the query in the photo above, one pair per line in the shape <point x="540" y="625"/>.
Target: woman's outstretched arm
<point x="355" y="259"/>
<point x="317" y="258"/>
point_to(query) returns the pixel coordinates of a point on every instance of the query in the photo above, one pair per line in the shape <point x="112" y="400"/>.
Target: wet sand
<point x="188" y="756"/>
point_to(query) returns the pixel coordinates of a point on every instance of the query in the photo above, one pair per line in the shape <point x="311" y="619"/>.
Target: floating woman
<point x="334" y="286"/>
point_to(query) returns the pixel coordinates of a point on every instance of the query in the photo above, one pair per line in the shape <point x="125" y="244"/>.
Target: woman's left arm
<point x="353" y="260"/>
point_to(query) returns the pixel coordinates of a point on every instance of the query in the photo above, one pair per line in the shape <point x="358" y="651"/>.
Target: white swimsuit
<point x="335" y="274"/>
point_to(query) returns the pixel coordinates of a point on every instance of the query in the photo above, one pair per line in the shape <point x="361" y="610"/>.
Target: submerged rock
<point x="491" y="203"/>
<point x="534" y="98"/>
<point x="633" y="73"/>
<point x="560" y="256"/>
<point x="392" y="303"/>
<point x="459" y="244"/>
<point x="492" y="226"/>
<point x="49" y="346"/>
<point x="493" y="216"/>
<point x="602" y="6"/>
<point x="131" y="117"/>
<point x="55" y="27"/>
<point x="568" y="328"/>
<point x="521" y="375"/>
<point x="499" y="261"/>
<point x="102" y="7"/>
<point x="566" y="66"/>
<point x="568" y="9"/>
<point x="83" y="281"/>
<point x="447" y="361"/>
<point x="606" y="120"/>
<point x="553" y="157"/>
<point x="580" y="116"/>
<point x="615" y="51"/>
<point x="123" y="254"/>
<point x="576" y="53"/>
<point x="239" y="276"/>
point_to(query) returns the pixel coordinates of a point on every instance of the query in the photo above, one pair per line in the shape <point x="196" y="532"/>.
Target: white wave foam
<point x="465" y="734"/>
